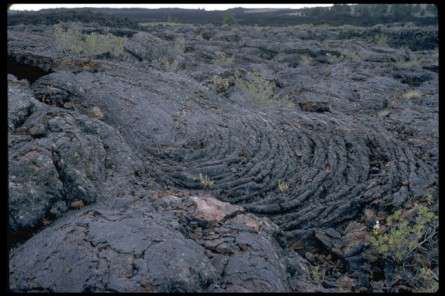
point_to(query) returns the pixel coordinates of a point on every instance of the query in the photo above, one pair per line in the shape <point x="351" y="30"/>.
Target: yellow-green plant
<point x="205" y="181"/>
<point x="381" y="40"/>
<point x="260" y="89"/>
<point x="165" y="55"/>
<point x="316" y="273"/>
<point x="427" y="281"/>
<point x="411" y="94"/>
<point x="70" y="39"/>
<point x="221" y="84"/>
<point x="223" y="59"/>
<point x="283" y="186"/>
<point x="402" y="238"/>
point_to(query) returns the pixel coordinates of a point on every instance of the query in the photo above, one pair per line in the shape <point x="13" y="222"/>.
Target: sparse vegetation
<point x="411" y="94"/>
<point x="162" y="54"/>
<point x="363" y="14"/>
<point x="228" y="19"/>
<point x="317" y="274"/>
<point x="223" y="59"/>
<point x="283" y="186"/>
<point x="404" y="241"/>
<point x="221" y="84"/>
<point x="69" y="39"/>
<point x="402" y="237"/>
<point x="412" y="62"/>
<point x="205" y="181"/>
<point x="260" y="89"/>
<point x="170" y="59"/>
<point x="305" y="60"/>
<point x="351" y="55"/>
<point x="154" y="24"/>
<point x="381" y="40"/>
<point x="427" y="281"/>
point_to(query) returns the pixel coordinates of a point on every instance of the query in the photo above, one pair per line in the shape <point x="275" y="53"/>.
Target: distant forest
<point x="338" y="14"/>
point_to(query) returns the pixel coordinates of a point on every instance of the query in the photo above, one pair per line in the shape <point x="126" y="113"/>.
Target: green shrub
<point x="405" y="242"/>
<point x="426" y="281"/>
<point x="381" y="40"/>
<point x="411" y="94"/>
<point x="162" y="54"/>
<point x="221" y="84"/>
<point x="205" y="181"/>
<point x="172" y="59"/>
<point x="283" y="186"/>
<point x="402" y="238"/>
<point x="228" y="19"/>
<point x="317" y="274"/>
<point x="260" y="89"/>
<point x="69" y="39"/>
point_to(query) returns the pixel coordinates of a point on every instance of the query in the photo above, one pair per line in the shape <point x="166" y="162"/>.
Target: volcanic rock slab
<point x="128" y="246"/>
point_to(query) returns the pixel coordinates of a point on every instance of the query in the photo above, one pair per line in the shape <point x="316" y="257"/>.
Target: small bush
<point x="305" y="60"/>
<point x="69" y="39"/>
<point x="173" y="60"/>
<point x="426" y="281"/>
<point x="283" y="186"/>
<point x="404" y="245"/>
<point x="402" y="238"/>
<point x="228" y="19"/>
<point x="351" y="55"/>
<point x="381" y="40"/>
<point x="221" y="84"/>
<point x="260" y="89"/>
<point x="223" y="59"/>
<point x="162" y="54"/>
<point x="411" y="94"/>
<point x="317" y="274"/>
<point x="205" y="181"/>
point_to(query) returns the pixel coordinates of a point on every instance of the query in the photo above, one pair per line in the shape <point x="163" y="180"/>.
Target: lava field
<point x="205" y="158"/>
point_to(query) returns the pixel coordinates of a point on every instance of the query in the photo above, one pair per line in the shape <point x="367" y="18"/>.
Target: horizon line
<point x="206" y="7"/>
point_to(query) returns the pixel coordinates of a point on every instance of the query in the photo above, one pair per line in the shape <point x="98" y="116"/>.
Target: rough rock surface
<point x="57" y="156"/>
<point x="275" y="142"/>
<point x="189" y="244"/>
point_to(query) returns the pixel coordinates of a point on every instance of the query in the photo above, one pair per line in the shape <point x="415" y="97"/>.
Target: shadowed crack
<point x="25" y="71"/>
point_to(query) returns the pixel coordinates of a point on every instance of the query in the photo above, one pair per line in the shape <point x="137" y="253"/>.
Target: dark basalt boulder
<point x="57" y="156"/>
<point x="189" y="244"/>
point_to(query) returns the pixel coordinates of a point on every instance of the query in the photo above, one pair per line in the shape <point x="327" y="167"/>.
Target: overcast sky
<point x="190" y="6"/>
